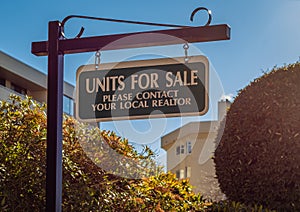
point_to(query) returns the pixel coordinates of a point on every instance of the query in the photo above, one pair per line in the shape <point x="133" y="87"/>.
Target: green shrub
<point x="86" y="185"/>
<point x="258" y="157"/>
<point x="230" y="206"/>
<point x="22" y="155"/>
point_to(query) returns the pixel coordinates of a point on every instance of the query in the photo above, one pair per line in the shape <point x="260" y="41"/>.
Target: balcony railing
<point x="5" y="92"/>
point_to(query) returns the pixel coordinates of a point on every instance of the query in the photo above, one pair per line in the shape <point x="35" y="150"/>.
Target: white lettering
<point x="144" y="81"/>
<point x="104" y="107"/>
<point x="178" y="80"/>
<point x="104" y="84"/>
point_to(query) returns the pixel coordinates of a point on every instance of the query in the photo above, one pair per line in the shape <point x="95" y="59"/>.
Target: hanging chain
<point x="186" y="47"/>
<point x="97" y="59"/>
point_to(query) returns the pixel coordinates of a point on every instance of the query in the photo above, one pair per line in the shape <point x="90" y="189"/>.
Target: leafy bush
<point x="168" y="194"/>
<point x="258" y="157"/>
<point x="89" y="182"/>
<point x="22" y="155"/>
<point x="237" y="207"/>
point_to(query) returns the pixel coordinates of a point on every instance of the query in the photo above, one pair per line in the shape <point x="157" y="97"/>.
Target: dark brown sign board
<point x="168" y="87"/>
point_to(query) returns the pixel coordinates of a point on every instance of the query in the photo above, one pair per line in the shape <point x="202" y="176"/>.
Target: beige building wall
<point x="189" y="154"/>
<point x="41" y="96"/>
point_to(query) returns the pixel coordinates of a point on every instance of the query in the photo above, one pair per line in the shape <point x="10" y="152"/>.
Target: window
<point x="18" y="89"/>
<point x="184" y="173"/>
<point x="181" y="174"/>
<point x="188" y="172"/>
<point x="189" y="147"/>
<point x="178" y="150"/>
<point x="68" y="105"/>
<point x="2" y="82"/>
<point x="182" y="149"/>
<point x="178" y="174"/>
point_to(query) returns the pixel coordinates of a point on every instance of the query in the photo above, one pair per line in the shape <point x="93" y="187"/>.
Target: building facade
<point x="189" y="154"/>
<point x="18" y="78"/>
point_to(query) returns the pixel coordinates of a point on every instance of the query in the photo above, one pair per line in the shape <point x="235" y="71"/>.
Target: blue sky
<point x="265" y="33"/>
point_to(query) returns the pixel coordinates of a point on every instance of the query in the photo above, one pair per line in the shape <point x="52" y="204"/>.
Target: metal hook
<point x="63" y="25"/>
<point x="186" y="47"/>
<point x="205" y="9"/>
<point x="97" y="59"/>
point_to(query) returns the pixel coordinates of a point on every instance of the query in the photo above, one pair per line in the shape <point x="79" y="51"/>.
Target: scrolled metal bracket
<point x="205" y="9"/>
<point x="64" y="21"/>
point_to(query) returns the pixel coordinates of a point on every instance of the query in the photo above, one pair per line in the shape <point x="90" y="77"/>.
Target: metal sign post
<point x="57" y="46"/>
<point x="54" y="119"/>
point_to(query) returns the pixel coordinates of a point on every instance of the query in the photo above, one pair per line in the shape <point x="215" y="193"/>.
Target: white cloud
<point x="227" y="97"/>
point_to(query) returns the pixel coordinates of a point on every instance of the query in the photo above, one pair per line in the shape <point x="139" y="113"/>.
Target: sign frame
<point x="146" y="65"/>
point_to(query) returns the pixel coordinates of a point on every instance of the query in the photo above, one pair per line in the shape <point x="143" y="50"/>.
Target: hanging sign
<point x="157" y="88"/>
